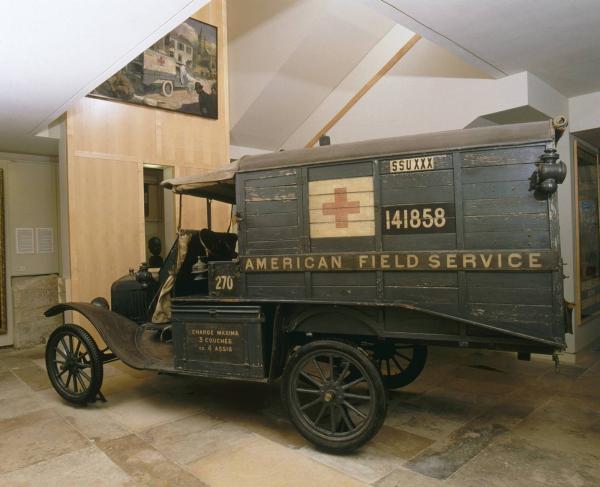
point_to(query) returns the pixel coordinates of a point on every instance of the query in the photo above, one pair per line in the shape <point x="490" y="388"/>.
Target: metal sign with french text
<point x="215" y="342"/>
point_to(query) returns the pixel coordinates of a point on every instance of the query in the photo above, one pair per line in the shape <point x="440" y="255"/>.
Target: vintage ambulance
<point x="348" y="262"/>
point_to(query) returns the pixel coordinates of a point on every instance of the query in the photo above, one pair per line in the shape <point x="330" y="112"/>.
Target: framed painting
<point x="178" y="73"/>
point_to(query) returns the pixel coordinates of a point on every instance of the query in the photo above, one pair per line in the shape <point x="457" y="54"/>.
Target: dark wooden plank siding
<point x="272" y="248"/>
<point x="523" y="204"/>
<point x="275" y="233"/>
<point x="518" y="314"/>
<point x="273" y="178"/>
<point x="344" y="285"/>
<point x="514" y="295"/>
<point x="502" y="156"/>
<point x="345" y="293"/>
<point x="276" y="292"/>
<point x="274" y="193"/>
<point x="439" y="241"/>
<point x="501" y="189"/>
<point x="275" y="285"/>
<point x="345" y="279"/>
<point x="346" y="244"/>
<point x="421" y="296"/>
<point x="420" y="279"/>
<point x="272" y="220"/>
<point x="275" y="279"/>
<point x="516" y="172"/>
<point x="271" y="205"/>
<point x="423" y="179"/>
<point x="336" y="171"/>
<point x="510" y="279"/>
<point x="500" y="210"/>
<point x="527" y="222"/>
<point x="507" y="240"/>
<point x="432" y="194"/>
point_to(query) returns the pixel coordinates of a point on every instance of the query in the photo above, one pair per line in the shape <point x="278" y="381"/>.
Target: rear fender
<point x="333" y="319"/>
<point x="118" y="332"/>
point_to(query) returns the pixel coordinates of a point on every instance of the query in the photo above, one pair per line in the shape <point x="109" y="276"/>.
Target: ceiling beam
<point x="364" y="90"/>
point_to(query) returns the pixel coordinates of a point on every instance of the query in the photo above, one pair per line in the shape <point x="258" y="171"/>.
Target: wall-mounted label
<point x="25" y="241"/>
<point x="45" y="240"/>
<point x="423" y="218"/>
<point x="412" y="164"/>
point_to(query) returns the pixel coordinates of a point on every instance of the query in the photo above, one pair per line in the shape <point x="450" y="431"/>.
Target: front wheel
<point x="74" y="364"/>
<point x="334" y="395"/>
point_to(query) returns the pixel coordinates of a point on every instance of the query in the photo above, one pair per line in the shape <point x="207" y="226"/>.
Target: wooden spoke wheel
<point x="398" y="363"/>
<point x="74" y="364"/>
<point x="334" y="395"/>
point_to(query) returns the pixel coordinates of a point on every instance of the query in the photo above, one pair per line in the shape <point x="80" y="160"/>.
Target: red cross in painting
<point x="341" y="208"/>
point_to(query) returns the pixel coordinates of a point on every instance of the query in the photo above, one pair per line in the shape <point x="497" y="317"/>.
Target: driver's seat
<point x="219" y="246"/>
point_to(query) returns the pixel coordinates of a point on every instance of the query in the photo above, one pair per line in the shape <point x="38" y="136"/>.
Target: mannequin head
<point x="155" y="246"/>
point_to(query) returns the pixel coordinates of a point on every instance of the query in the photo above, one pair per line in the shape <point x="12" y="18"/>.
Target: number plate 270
<point x="427" y="218"/>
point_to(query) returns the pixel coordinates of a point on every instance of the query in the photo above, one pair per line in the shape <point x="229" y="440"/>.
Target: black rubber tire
<point x="409" y="374"/>
<point x="85" y="356"/>
<point x="375" y="417"/>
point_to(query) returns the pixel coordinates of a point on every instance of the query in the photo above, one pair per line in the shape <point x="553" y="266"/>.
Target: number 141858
<point x="418" y="218"/>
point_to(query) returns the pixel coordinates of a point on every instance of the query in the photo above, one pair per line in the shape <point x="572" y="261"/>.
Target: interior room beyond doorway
<point x="159" y="214"/>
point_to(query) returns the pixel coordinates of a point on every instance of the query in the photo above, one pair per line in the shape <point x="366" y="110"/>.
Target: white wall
<point x="424" y="60"/>
<point x="31" y="201"/>
<point x="285" y="58"/>
<point x="584" y="112"/>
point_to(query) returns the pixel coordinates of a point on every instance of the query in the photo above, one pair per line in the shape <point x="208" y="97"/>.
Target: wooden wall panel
<point x="194" y="141"/>
<point x="108" y="144"/>
<point x="106" y="224"/>
<point x="104" y="129"/>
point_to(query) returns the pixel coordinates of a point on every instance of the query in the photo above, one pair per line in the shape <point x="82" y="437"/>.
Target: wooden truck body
<point x="440" y="237"/>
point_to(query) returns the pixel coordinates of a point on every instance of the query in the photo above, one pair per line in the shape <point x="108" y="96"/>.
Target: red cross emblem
<point x="341" y="207"/>
<point x="161" y="61"/>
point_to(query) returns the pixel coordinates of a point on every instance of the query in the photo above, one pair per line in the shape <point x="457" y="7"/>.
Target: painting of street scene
<point x="178" y="73"/>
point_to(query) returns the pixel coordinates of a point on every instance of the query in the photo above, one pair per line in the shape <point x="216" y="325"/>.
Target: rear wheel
<point x="74" y="364"/>
<point x="398" y="363"/>
<point x="334" y="395"/>
<point x="167" y="88"/>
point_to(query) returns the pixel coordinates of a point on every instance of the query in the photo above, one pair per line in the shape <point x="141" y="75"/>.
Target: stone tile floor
<point x="471" y="419"/>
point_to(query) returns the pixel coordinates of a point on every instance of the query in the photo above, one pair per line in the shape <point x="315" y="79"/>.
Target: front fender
<point x="118" y="332"/>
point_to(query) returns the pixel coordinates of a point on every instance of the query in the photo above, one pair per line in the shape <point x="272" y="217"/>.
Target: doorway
<point x="587" y="194"/>
<point x="159" y="215"/>
<point x="3" y="313"/>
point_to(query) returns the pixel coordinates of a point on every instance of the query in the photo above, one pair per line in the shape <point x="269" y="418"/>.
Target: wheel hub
<point x="332" y="392"/>
<point x="384" y="350"/>
<point x="71" y="363"/>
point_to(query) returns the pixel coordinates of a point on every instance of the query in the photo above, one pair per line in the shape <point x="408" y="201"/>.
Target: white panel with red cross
<point x="341" y="207"/>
